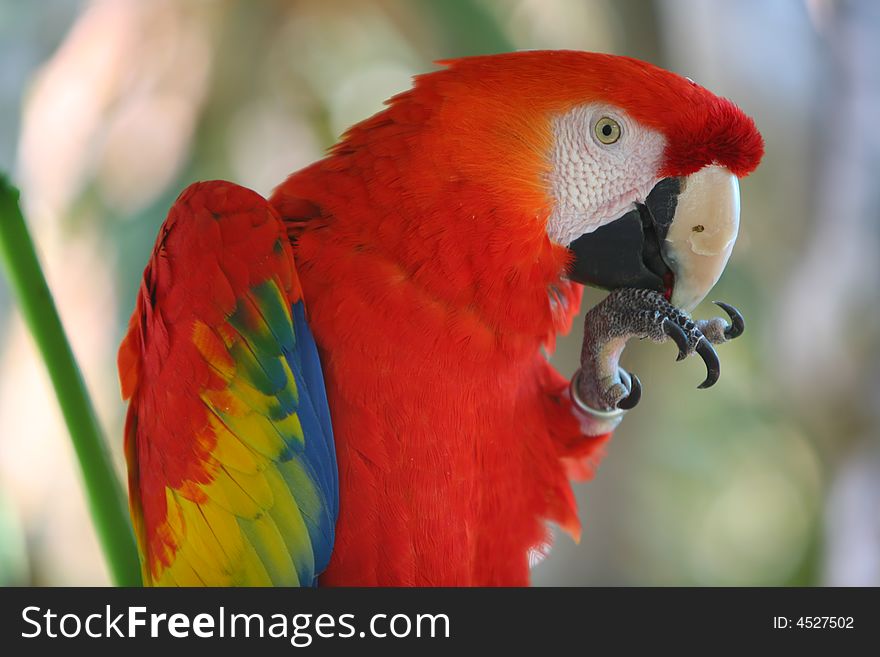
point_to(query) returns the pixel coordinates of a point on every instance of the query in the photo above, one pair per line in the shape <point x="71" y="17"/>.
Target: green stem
<point x="103" y="491"/>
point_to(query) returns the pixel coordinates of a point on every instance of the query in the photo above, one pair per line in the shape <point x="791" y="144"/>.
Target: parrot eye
<point x="607" y="130"/>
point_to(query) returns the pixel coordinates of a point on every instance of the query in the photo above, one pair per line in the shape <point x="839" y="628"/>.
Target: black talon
<point x="635" y="394"/>
<point x="678" y="336"/>
<point x="713" y="365"/>
<point x="737" y="322"/>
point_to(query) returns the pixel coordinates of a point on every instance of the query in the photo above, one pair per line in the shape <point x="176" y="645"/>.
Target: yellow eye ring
<point x="607" y="130"/>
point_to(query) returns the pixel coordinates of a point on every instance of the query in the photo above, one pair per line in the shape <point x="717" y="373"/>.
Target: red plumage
<point x="200" y="268"/>
<point x="432" y="286"/>
<point x="426" y="267"/>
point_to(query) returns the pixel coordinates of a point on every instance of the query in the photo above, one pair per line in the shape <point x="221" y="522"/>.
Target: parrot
<point x="347" y="383"/>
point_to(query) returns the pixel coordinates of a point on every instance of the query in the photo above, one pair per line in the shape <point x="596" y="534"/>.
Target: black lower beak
<point x="627" y="251"/>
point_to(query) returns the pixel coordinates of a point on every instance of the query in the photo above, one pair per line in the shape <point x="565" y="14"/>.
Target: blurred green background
<point x="108" y="109"/>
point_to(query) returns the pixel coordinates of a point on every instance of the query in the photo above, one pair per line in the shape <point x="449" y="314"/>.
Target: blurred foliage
<point x="13" y="558"/>
<point x="116" y="106"/>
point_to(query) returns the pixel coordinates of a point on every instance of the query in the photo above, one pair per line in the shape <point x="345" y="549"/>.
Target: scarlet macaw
<point x="432" y="254"/>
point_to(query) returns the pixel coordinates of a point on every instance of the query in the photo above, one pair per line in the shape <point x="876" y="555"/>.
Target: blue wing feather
<point x="320" y="452"/>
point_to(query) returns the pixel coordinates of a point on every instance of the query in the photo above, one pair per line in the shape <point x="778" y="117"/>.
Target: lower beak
<point x="677" y="241"/>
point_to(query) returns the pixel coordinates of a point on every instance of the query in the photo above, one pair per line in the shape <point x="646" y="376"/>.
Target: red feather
<point x="218" y="241"/>
<point x="432" y="287"/>
<point x="429" y="276"/>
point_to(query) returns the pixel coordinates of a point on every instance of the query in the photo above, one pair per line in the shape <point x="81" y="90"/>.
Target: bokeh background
<point x="109" y="108"/>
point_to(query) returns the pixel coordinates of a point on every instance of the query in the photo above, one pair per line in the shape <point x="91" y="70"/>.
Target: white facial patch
<point x="595" y="183"/>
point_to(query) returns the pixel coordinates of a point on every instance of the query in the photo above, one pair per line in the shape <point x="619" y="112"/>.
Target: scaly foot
<point x="627" y="313"/>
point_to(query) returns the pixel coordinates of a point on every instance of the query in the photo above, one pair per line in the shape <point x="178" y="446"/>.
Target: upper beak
<point x="677" y="241"/>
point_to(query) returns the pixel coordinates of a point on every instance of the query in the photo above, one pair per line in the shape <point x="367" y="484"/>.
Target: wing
<point x="232" y="467"/>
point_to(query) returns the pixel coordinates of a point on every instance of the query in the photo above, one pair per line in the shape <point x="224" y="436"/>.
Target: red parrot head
<point x="633" y="168"/>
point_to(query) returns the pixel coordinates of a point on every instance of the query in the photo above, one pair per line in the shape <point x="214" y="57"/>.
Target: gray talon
<point x="713" y="365"/>
<point x="737" y="321"/>
<point x="633" y="313"/>
<point x="679" y="337"/>
<point x="635" y="394"/>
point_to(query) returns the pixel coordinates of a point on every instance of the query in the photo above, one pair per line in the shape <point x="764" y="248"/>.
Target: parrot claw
<point x="718" y="330"/>
<point x="713" y="365"/>
<point x="635" y="394"/>
<point x="679" y="337"/>
<point x="627" y="313"/>
<point x="737" y="321"/>
<point x="615" y="395"/>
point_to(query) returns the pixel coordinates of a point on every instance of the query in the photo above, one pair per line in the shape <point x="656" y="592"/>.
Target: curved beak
<point x="677" y="241"/>
<point x="701" y="238"/>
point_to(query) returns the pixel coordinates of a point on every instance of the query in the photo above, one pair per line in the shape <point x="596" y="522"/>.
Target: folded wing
<point x="232" y="468"/>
